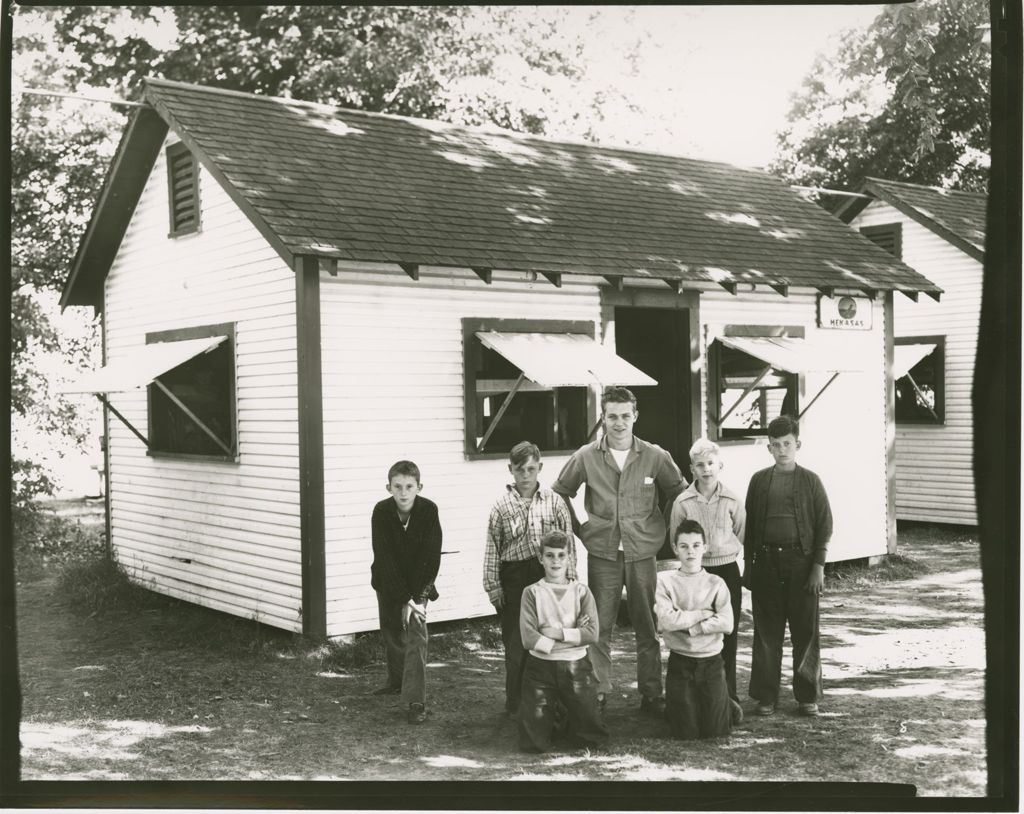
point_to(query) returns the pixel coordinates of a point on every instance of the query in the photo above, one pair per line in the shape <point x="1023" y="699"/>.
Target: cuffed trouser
<point x="730" y="572"/>
<point x="514" y="577"/>
<point x="405" y="650"/>
<point x="778" y="593"/>
<point x="696" y="697"/>
<point x="573" y="684"/>
<point x="605" y="579"/>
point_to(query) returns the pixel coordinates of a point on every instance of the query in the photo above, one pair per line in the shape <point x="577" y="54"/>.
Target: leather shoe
<point x="810" y="709"/>
<point x="417" y="713"/>
<point x="387" y="689"/>
<point x="765" y="709"/>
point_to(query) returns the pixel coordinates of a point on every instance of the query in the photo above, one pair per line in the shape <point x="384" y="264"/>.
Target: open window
<point x="192" y="405"/>
<point x="919" y="370"/>
<point x="531" y="380"/>
<point x="182" y="190"/>
<point x="756" y="373"/>
<point x="190" y="379"/>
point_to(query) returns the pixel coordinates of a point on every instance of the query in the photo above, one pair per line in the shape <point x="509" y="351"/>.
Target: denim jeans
<point x="605" y="579"/>
<point x="730" y="572"/>
<point x="696" y="697"/>
<point x="777" y="589"/>
<point x="405" y="650"/>
<point x="573" y="684"/>
<point x="514" y="577"/>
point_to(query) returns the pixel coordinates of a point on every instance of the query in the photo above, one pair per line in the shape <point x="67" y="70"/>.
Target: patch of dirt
<point x="133" y="697"/>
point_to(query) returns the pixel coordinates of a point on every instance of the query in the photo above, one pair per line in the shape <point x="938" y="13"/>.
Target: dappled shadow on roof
<point x="362" y="186"/>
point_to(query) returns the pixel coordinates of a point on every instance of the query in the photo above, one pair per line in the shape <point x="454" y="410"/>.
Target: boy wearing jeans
<point x="694" y="611"/>
<point x="518" y="520"/>
<point x="406" y="535"/>
<point x="789" y="525"/>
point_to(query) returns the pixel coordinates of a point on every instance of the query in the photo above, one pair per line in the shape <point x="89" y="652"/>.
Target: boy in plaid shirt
<point x="518" y="520"/>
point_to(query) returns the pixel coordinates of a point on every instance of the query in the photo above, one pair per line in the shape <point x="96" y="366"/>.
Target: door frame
<point x="682" y="301"/>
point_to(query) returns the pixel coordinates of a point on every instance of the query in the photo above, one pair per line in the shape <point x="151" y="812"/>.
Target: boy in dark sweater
<point x="789" y="525"/>
<point x="406" y="534"/>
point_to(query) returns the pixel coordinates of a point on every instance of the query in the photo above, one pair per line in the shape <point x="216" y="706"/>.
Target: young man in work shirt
<point x="623" y="533"/>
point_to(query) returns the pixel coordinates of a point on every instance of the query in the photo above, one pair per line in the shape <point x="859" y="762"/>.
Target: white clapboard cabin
<point x="941" y="233"/>
<point x="295" y="296"/>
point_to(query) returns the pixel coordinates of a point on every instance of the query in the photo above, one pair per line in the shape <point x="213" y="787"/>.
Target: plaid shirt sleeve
<point x="492" y="559"/>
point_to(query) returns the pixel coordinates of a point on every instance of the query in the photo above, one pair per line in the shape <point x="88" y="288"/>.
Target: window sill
<point x="189" y="456"/>
<point x="498" y="456"/>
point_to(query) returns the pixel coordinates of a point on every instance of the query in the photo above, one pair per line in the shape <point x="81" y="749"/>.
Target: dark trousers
<point x="514" y="577"/>
<point x="405" y="650"/>
<point x="777" y="590"/>
<point x="572" y="683"/>
<point x="730" y="573"/>
<point x="697" y="697"/>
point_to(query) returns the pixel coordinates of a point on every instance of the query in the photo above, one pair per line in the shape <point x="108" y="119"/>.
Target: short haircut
<point x="554" y="539"/>
<point x="617" y="395"/>
<point x="404" y="468"/>
<point x="690" y="527"/>
<point x="522" y="452"/>
<point x="783" y="425"/>
<point x="702" y="446"/>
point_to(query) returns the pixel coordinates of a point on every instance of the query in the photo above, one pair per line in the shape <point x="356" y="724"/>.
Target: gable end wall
<point x="224" y="535"/>
<point x="934" y="477"/>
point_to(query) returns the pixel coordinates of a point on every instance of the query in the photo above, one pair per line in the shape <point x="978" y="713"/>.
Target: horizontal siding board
<point x="239" y="520"/>
<point x="955" y="316"/>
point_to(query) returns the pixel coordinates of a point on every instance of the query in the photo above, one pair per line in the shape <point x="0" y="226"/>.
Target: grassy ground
<point x="121" y="684"/>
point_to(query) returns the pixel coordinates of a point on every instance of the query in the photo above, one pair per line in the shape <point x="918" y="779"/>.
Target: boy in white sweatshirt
<point x="557" y="621"/>
<point x="694" y="611"/>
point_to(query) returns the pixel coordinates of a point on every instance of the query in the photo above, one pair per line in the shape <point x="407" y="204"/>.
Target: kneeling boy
<point x="694" y="612"/>
<point x="557" y="620"/>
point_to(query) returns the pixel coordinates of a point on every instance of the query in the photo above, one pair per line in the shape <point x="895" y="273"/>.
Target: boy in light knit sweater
<point x="693" y="612"/>
<point x="723" y="517"/>
<point x="557" y="621"/>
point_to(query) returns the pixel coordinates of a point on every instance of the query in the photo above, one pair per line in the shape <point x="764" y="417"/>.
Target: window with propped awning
<point x="919" y="372"/>
<point x="190" y="390"/>
<point x="754" y="378"/>
<point x="530" y="380"/>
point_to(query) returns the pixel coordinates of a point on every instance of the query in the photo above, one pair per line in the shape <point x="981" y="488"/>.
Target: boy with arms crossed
<point x="789" y="525"/>
<point x="694" y="611"/>
<point x="518" y="520"/>
<point x="406" y="535"/>
<point x="721" y="515"/>
<point x="557" y="621"/>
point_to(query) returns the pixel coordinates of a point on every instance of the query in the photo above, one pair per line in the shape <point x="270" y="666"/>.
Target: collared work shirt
<point x="514" y="530"/>
<point x="622" y="507"/>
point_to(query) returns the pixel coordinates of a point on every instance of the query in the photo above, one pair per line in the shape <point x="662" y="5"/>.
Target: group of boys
<point x="557" y="631"/>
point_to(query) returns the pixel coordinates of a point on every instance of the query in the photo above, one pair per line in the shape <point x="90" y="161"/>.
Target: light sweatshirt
<point x="548" y="603"/>
<point x="693" y="612"/>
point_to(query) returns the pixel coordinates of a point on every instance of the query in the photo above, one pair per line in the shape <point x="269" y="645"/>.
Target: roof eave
<point x="126" y="178"/>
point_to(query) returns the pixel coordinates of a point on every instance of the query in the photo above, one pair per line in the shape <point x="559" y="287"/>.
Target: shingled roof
<point x="957" y="216"/>
<point x="350" y="185"/>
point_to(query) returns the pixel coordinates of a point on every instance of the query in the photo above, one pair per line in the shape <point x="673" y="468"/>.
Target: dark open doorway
<point x="657" y="340"/>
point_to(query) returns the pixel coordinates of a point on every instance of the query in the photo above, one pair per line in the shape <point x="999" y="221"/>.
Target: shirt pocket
<point x="515" y="526"/>
<point x="641" y="497"/>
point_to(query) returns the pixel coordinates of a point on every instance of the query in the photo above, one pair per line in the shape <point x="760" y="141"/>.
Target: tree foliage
<point x="907" y="99"/>
<point x="518" y="67"/>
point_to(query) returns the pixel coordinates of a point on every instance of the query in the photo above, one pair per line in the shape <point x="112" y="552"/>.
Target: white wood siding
<point x="843" y="433"/>
<point x="393" y="389"/>
<point x="224" y="535"/>
<point x="934" y="465"/>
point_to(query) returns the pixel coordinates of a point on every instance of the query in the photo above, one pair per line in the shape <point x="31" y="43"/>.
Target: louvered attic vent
<point x="183" y="190"/>
<point x="888" y="236"/>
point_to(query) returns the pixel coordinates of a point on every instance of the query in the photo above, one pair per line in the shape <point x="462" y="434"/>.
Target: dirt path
<point x="116" y="698"/>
